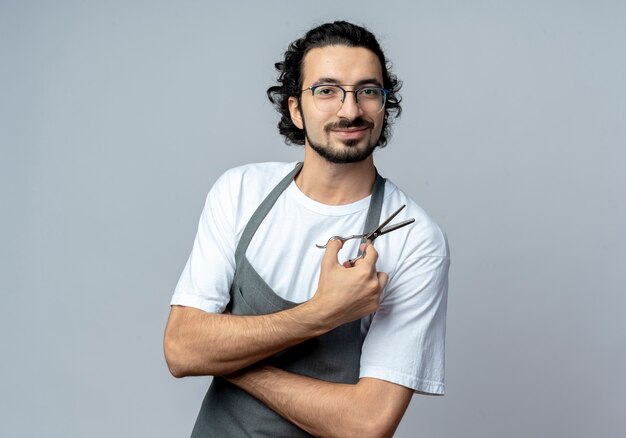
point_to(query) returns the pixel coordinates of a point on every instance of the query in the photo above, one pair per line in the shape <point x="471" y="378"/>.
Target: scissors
<point x="379" y="231"/>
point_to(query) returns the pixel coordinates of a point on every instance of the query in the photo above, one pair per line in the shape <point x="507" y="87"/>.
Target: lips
<point x="351" y="133"/>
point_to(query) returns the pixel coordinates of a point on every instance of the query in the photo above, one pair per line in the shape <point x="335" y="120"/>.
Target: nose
<point x="350" y="109"/>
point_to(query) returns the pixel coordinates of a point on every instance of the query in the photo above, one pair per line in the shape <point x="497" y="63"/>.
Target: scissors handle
<point x="342" y="238"/>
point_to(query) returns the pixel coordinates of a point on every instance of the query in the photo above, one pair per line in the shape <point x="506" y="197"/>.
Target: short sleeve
<point x="208" y="273"/>
<point x="405" y="343"/>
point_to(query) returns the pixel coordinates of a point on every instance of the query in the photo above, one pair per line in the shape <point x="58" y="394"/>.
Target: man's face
<point x="350" y="133"/>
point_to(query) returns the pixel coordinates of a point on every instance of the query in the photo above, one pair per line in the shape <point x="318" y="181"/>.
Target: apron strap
<point x="262" y="211"/>
<point x="375" y="207"/>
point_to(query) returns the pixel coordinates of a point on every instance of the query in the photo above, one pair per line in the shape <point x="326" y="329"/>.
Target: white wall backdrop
<point x="116" y="117"/>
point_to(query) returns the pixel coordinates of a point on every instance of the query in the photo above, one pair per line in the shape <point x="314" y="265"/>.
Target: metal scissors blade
<point x="391" y="228"/>
<point x="381" y="228"/>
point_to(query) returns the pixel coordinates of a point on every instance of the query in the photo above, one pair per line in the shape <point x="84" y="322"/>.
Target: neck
<point x="335" y="184"/>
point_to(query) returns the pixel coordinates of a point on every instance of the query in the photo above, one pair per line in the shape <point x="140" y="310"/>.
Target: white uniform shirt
<point x="404" y="341"/>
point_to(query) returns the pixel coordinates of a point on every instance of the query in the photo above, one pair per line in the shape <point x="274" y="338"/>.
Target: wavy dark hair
<point x="290" y="74"/>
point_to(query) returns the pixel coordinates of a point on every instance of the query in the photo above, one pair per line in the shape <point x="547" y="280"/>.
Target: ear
<point x="294" y="111"/>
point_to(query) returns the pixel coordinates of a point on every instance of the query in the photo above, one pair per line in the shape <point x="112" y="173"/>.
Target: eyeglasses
<point x="330" y="98"/>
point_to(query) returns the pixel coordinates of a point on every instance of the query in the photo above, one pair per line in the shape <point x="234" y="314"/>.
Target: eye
<point x="325" y="91"/>
<point x="370" y="92"/>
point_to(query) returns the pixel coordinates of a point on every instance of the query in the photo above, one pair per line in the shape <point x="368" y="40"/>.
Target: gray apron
<point x="228" y="411"/>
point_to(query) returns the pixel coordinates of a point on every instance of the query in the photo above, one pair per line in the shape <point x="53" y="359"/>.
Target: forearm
<point x="370" y="408"/>
<point x="201" y="343"/>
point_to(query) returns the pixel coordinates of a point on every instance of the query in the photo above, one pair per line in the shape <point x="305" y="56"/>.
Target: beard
<point x="351" y="153"/>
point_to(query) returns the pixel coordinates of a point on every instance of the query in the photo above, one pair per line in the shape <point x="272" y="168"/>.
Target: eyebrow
<point x="334" y="81"/>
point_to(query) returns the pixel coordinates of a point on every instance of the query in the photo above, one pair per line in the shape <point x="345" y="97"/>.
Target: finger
<point x="357" y="260"/>
<point x="331" y="254"/>
<point x="362" y="253"/>
<point x="383" y="279"/>
<point x="371" y="255"/>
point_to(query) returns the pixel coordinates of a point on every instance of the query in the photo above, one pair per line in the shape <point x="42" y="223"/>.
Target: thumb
<point x="331" y="254"/>
<point x="383" y="278"/>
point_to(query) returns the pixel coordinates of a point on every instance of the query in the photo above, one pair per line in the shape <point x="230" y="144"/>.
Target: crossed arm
<point x="200" y="343"/>
<point x="369" y="408"/>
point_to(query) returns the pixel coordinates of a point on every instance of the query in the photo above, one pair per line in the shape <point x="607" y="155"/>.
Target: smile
<point x="351" y="133"/>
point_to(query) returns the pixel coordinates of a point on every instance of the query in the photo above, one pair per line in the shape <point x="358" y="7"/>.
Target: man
<point x="304" y="341"/>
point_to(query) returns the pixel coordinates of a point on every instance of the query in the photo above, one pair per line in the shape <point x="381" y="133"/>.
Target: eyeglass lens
<point x="329" y="98"/>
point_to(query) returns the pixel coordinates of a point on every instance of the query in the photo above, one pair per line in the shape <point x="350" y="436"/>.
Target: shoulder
<point x="424" y="238"/>
<point x="238" y="192"/>
<point x="251" y="180"/>
<point x="275" y="170"/>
